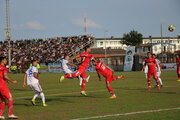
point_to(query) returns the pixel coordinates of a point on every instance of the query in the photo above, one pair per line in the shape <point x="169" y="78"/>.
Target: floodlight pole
<point x="162" y="37"/>
<point x="105" y="42"/>
<point x="8" y="36"/>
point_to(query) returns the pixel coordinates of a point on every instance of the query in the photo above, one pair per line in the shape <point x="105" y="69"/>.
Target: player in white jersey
<point x="33" y="83"/>
<point x="145" y="70"/>
<point x="160" y="70"/>
<point x="66" y="68"/>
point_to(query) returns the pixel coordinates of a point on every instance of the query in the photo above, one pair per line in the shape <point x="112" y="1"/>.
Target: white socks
<point x="159" y="79"/>
<point x="35" y="95"/>
<point x="80" y="80"/>
<point x="42" y="97"/>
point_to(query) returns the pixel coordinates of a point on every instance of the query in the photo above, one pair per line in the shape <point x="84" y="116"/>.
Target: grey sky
<point x="52" y="18"/>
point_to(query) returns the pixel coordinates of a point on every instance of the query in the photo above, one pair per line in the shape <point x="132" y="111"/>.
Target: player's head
<point x="177" y="56"/>
<point x="149" y="54"/>
<point x="66" y="56"/>
<point x="154" y="56"/>
<point x="87" y="48"/>
<point x="3" y="60"/>
<point x="34" y="63"/>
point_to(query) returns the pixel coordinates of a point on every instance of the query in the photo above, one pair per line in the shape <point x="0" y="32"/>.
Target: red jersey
<point x="151" y="63"/>
<point x="3" y="70"/>
<point x="178" y="62"/>
<point x="85" y="59"/>
<point x="100" y="68"/>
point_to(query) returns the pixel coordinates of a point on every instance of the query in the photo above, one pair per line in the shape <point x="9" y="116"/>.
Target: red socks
<point x="2" y="106"/>
<point x="110" y="90"/>
<point x="10" y="107"/>
<point x="69" y="75"/>
<point x="83" y="85"/>
<point x="149" y="82"/>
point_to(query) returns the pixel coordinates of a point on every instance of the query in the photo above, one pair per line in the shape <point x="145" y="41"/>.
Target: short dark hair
<point x="85" y="48"/>
<point x="2" y="58"/>
<point x="149" y="52"/>
<point x="65" y="55"/>
<point x="33" y="61"/>
<point x="154" y="54"/>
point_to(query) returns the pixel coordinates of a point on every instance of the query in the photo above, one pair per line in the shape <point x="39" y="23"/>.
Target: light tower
<point x="85" y="26"/>
<point x="8" y="35"/>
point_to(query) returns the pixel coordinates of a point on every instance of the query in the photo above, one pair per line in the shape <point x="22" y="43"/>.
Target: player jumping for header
<point x="66" y="69"/>
<point x="107" y="72"/>
<point x="86" y="57"/>
<point x="151" y="62"/>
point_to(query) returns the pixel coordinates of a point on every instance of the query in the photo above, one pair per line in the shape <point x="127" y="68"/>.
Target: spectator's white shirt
<point x="65" y="65"/>
<point x="30" y="75"/>
<point x="158" y="62"/>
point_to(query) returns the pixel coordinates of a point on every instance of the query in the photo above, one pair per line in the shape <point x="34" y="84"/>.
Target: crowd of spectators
<point x="49" y="50"/>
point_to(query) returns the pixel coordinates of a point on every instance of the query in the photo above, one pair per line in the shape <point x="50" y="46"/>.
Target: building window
<point x="155" y="48"/>
<point x="101" y="43"/>
<point x="178" y="46"/>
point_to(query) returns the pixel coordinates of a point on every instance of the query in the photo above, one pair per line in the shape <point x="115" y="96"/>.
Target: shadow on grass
<point x="20" y="89"/>
<point x="126" y="88"/>
<point x="161" y="92"/>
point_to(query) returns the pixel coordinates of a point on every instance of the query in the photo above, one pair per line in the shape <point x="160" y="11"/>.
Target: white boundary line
<point x="126" y="114"/>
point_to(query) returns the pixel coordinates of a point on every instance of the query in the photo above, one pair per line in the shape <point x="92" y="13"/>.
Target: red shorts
<point x="178" y="71"/>
<point x="150" y="73"/>
<point x="109" y="78"/>
<point x="81" y="72"/>
<point x="5" y="93"/>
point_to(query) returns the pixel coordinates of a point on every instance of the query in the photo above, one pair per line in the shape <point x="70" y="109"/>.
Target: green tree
<point x="133" y="38"/>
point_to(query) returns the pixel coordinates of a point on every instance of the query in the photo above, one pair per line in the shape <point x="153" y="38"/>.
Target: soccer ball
<point x="171" y="28"/>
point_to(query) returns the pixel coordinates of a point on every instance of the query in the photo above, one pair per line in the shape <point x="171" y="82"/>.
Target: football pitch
<point x="133" y="102"/>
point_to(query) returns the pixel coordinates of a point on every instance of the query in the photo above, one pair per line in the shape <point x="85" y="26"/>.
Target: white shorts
<point x="158" y="74"/>
<point x="36" y="87"/>
<point x="68" y="71"/>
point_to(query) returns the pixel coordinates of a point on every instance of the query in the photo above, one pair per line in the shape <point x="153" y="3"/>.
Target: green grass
<point x="65" y="102"/>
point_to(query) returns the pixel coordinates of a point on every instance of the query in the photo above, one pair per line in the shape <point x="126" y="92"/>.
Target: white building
<point x="158" y="44"/>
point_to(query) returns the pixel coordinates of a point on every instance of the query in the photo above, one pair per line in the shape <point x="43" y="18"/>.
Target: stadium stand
<point x="46" y="51"/>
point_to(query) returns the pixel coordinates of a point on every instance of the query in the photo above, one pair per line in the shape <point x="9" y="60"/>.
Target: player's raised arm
<point x="25" y="76"/>
<point x="9" y="79"/>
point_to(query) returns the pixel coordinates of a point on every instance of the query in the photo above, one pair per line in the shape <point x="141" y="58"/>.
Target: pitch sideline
<point x="129" y="113"/>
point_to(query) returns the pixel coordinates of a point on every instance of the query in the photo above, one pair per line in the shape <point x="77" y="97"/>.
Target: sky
<point x="55" y="18"/>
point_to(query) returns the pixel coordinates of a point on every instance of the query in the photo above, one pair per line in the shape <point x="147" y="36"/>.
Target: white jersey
<point x="65" y="66"/>
<point x="30" y="75"/>
<point x="158" y="62"/>
<point x="146" y="68"/>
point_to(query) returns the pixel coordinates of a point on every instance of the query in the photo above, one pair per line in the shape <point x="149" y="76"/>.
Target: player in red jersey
<point x="178" y="66"/>
<point x="107" y="72"/>
<point x="86" y="57"/>
<point x="5" y="94"/>
<point x="151" y="62"/>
